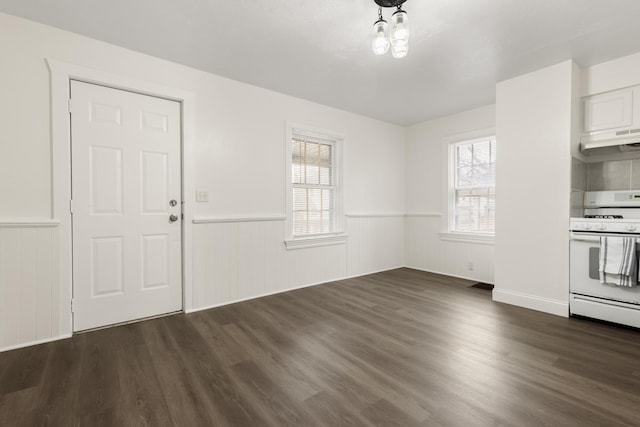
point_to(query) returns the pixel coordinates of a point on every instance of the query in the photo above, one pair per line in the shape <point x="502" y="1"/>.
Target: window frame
<point x="449" y="192"/>
<point x="336" y="140"/>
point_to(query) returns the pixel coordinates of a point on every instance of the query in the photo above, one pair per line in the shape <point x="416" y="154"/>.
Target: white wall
<point x="534" y="130"/>
<point x="240" y="159"/>
<point x="426" y="182"/>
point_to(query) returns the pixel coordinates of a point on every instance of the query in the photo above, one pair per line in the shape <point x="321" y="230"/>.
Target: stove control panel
<point x="605" y="225"/>
<point x="610" y="199"/>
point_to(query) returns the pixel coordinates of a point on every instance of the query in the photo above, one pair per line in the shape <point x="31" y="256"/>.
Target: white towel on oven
<point x="618" y="261"/>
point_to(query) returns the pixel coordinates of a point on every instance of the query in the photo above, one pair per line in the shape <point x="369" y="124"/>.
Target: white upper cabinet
<point x="611" y="110"/>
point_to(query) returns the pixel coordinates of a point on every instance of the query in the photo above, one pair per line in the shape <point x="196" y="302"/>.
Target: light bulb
<point x="380" y="42"/>
<point x="399" y="48"/>
<point x="399" y="34"/>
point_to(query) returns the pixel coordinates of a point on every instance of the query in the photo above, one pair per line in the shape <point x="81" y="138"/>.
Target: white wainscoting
<point x="235" y="259"/>
<point x="376" y="242"/>
<point x="29" y="282"/>
<point x="425" y="250"/>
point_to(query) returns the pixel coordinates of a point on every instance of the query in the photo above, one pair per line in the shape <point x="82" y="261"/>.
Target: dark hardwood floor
<point x="400" y="348"/>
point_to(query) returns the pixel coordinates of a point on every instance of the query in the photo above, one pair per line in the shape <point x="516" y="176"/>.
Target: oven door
<point x="583" y="271"/>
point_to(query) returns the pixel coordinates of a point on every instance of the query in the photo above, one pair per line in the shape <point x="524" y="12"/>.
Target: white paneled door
<point x="126" y="190"/>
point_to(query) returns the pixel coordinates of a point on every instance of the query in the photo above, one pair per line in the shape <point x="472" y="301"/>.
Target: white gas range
<point x="606" y="214"/>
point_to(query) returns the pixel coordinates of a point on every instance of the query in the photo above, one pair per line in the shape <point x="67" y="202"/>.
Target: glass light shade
<point x="400" y="25"/>
<point x="380" y="42"/>
<point x="399" y="34"/>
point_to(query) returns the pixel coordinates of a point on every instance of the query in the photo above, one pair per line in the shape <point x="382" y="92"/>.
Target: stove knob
<point x="587" y="226"/>
<point x="631" y="227"/>
<point x="602" y="227"/>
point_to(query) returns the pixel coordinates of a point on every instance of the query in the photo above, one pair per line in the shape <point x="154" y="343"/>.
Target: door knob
<point x="173" y="218"/>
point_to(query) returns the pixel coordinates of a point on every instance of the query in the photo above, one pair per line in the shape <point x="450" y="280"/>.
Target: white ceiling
<point x="320" y="49"/>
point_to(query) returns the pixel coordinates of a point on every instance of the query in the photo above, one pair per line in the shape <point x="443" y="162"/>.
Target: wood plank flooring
<point x="399" y="348"/>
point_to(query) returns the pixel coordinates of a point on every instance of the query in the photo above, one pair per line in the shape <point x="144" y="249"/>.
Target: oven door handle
<point x="589" y="238"/>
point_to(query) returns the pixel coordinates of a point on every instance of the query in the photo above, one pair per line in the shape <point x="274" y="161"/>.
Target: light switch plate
<point x="202" y="196"/>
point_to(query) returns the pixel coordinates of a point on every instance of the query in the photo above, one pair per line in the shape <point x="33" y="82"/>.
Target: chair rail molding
<point x="423" y="215"/>
<point x="374" y="214"/>
<point x="29" y="223"/>
<point x="215" y="219"/>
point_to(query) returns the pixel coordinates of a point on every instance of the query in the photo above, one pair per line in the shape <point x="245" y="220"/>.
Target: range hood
<point x="625" y="140"/>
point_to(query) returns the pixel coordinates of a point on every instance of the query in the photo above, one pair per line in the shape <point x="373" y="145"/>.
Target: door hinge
<point x="72" y="308"/>
<point x="69" y="105"/>
<point x="71" y="206"/>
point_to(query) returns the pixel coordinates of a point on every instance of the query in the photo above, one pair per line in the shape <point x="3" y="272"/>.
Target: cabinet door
<point x="608" y="110"/>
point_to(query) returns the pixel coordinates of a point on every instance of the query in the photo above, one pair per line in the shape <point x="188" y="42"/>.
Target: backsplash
<point x="578" y="187"/>
<point x="578" y="175"/>
<point x="612" y="175"/>
<point x="601" y="176"/>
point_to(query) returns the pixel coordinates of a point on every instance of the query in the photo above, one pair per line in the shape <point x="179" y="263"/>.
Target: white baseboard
<point x="235" y="301"/>
<point x="476" y="279"/>
<point x="533" y="302"/>
<point x="353" y="276"/>
<point x="208" y="307"/>
<point x="31" y="343"/>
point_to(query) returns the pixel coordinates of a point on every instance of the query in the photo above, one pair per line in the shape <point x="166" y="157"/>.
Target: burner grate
<point x="604" y="216"/>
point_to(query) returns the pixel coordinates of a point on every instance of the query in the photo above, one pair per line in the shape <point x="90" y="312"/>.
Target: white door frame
<point x="61" y="75"/>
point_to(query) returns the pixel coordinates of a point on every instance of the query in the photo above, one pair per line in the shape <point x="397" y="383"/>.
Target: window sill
<point x="315" y="241"/>
<point x="475" y="238"/>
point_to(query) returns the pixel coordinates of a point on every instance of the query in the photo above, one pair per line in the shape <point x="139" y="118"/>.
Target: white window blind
<point x="313" y="185"/>
<point x="474" y="194"/>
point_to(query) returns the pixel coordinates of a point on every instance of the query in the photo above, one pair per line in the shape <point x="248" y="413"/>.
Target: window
<point x="472" y="186"/>
<point x="313" y="187"/>
<point x="314" y="196"/>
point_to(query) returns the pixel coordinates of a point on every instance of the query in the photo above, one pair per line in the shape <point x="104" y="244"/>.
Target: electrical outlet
<point x="470" y="266"/>
<point x="202" y="196"/>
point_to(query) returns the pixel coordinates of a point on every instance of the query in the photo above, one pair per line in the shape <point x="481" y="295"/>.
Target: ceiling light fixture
<point x="399" y="37"/>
